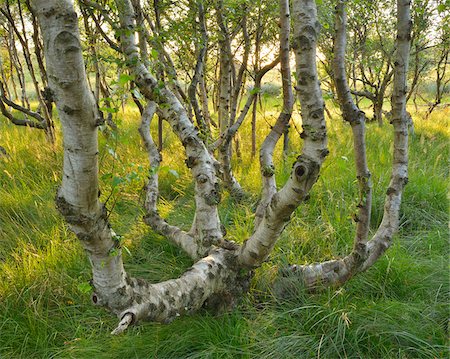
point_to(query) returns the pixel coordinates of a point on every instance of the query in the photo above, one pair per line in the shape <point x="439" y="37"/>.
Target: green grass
<point x="397" y="309"/>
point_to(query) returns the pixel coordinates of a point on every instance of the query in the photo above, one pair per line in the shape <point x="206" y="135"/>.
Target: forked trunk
<point x="223" y="267"/>
<point x="365" y="253"/>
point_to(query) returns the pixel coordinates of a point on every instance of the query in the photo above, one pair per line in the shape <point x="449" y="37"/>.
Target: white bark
<point x="267" y="167"/>
<point x="225" y="108"/>
<point x="152" y="218"/>
<point x="77" y="198"/>
<point x="221" y="274"/>
<point x="163" y="302"/>
<point x="389" y="225"/>
<point x="206" y="227"/>
<point x="132" y="299"/>
<point x="356" y="118"/>
<point x="305" y="170"/>
<point x="364" y="255"/>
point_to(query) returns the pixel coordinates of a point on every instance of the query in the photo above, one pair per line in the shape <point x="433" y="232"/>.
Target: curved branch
<point x="267" y="167"/>
<point x="206" y="226"/>
<point x="353" y="115"/>
<point x="369" y="95"/>
<point x="364" y="255"/>
<point x="18" y="121"/>
<point x="152" y="217"/>
<point x="163" y="302"/>
<point x="216" y="275"/>
<point x="22" y="109"/>
<point x="389" y="224"/>
<point x="306" y="169"/>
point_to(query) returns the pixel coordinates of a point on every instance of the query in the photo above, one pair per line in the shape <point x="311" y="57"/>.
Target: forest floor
<point x="397" y="309"/>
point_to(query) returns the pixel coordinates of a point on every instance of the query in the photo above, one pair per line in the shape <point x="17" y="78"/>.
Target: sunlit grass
<point x="399" y="308"/>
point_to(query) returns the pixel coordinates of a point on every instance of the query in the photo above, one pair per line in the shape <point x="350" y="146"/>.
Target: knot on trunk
<point x="84" y="225"/>
<point x="268" y="171"/>
<point x="214" y="196"/>
<point x="306" y="171"/>
<point x="314" y="133"/>
<point x="70" y="213"/>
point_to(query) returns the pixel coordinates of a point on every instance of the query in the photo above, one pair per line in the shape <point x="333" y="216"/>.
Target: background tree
<point x="16" y="16"/>
<point x="441" y="55"/>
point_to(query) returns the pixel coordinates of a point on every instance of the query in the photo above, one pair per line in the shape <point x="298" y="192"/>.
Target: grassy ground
<point x="397" y="309"/>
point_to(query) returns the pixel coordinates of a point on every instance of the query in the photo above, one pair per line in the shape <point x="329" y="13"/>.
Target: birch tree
<point x="222" y="268"/>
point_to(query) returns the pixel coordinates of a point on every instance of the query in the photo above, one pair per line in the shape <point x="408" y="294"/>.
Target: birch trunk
<point x="281" y="127"/>
<point x="207" y="194"/>
<point x="77" y="199"/>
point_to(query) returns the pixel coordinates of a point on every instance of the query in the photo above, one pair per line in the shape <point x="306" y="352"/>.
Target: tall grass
<point x="397" y="309"/>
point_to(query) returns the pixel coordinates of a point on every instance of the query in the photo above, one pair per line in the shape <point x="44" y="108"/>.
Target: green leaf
<point x="124" y="78"/>
<point x="109" y="109"/>
<point x="154" y="54"/>
<point x="114" y="252"/>
<point x="106" y="176"/>
<point x="164" y="169"/>
<point x="84" y="287"/>
<point x="117" y="180"/>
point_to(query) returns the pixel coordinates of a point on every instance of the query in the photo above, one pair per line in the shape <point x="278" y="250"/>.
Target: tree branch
<point x="306" y="169"/>
<point x="267" y="167"/>
<point x="41" y="124"/>
<point x="206" y="227"/>
<point x="152" y="217"/>
<point x="364" y="255"/>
